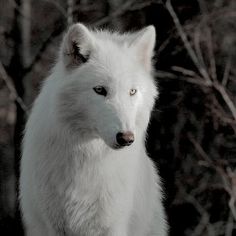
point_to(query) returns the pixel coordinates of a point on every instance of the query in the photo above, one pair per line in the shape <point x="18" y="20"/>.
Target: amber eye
<point x="100" y="90"/>
<point x="132" y="92"/>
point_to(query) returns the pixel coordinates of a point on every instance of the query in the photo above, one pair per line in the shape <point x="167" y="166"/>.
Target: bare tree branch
<point x="70" y="5"/>
<point x="121" y="10"/>
<point x="204" y="223"/>
<point x="221" y="89"/>
<point x="11" y="88"/>
<point x="226" y="71"/>
<point x="58" y="29"/>
<point x="229" y="226"/>
<point x="58" y="7"/>
<point x="211" y="55"/>
<point x="228" y="178"/>
<point x="26" y="29"/>
<point x="188" y="79"/>
<point x="187" y="44"/>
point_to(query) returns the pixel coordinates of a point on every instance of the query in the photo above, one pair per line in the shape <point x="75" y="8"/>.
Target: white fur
<point x="73" y="181"/>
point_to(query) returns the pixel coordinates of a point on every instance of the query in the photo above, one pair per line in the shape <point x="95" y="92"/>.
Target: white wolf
<point x="84" y="169"/>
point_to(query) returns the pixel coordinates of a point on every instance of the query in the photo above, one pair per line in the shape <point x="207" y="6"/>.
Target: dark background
<point x="192" y="135"/>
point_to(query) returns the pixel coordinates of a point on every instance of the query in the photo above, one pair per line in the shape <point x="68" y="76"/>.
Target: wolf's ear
<point x="77" y="45"/>
<point x="144" y="44"/>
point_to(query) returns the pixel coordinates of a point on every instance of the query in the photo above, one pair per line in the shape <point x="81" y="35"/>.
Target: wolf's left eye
<point x="132" y="92"/>
<point x="100" y="90"/>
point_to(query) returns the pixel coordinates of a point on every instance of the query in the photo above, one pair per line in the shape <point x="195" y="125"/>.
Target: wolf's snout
<point x="125" y="139"/>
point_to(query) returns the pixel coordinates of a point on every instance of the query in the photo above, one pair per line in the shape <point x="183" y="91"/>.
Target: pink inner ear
<point x="146" y="58"/>
<point x="144" y="46"/>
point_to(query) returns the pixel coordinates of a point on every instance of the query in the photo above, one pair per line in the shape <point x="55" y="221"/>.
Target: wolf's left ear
<point x="144" y="44"/>
<point x="77" y="46"/>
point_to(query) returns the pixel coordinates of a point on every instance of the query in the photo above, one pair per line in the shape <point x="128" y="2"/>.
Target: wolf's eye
<point x="132" y="92"/>
<point x="100" y="90"/>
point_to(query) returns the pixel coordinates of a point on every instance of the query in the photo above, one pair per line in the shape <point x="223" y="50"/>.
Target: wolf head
<point x="107" y="89"/>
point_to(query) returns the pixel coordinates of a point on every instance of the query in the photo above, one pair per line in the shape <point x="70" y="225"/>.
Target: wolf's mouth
<point x="117" y="146"/>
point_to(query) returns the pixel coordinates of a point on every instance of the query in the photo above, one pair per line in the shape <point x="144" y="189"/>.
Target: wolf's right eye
<point x="100" y="90"/>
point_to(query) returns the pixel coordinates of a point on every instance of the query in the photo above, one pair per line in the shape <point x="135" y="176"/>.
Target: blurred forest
<point x="192" y="135"/>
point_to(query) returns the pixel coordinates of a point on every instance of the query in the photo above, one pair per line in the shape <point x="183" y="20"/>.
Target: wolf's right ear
<point x="76" y="46"/>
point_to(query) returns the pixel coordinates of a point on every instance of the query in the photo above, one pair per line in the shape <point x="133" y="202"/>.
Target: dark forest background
<point x="192" y="135"/>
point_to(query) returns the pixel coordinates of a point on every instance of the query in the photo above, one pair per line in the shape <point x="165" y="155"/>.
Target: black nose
<point x="125" y="139"/>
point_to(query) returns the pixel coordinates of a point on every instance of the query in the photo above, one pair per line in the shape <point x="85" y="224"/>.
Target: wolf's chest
<point x="96" y="197"/>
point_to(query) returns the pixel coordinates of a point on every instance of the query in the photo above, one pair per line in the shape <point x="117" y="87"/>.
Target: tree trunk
<point x="15" y="70"/>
